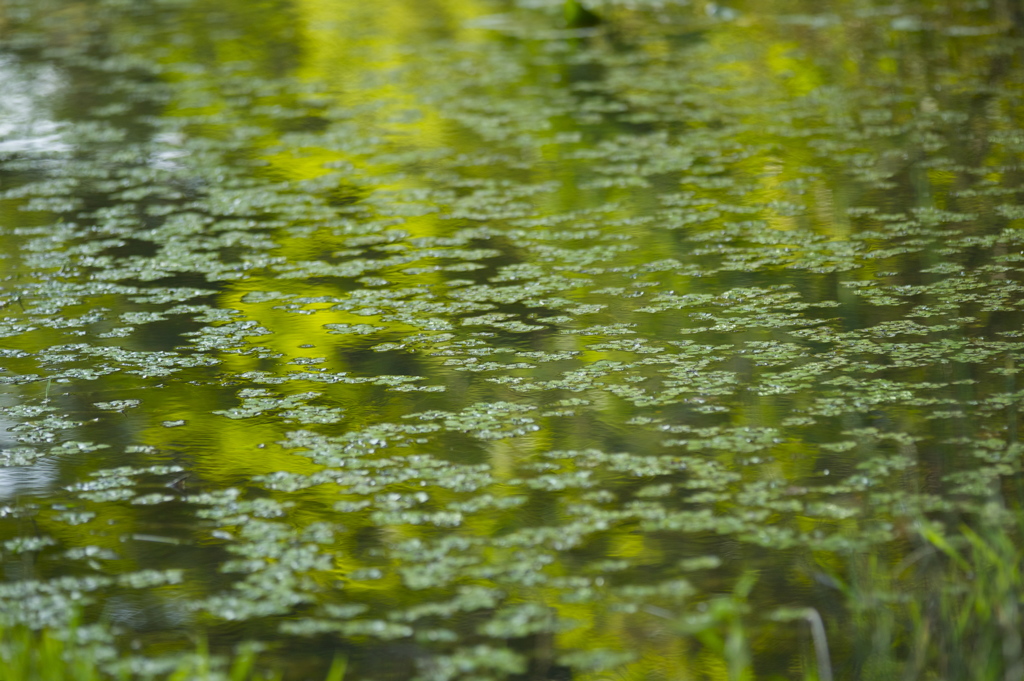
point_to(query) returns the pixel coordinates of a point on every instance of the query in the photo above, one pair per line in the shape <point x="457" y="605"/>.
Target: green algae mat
<point x="514" y="339"/>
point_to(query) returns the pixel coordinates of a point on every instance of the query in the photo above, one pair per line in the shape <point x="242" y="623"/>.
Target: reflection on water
<point x="16" y="482"/>
<point x="26" y="124"/>
<point x="468" y="345"/>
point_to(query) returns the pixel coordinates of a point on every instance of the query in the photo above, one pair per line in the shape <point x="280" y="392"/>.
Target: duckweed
<point x="478" y="341"/>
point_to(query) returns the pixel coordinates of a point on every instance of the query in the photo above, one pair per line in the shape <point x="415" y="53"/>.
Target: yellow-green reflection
<point x="517" y="346"/>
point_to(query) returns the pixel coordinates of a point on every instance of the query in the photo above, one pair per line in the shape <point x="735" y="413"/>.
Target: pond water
<point x="466" y="343"/>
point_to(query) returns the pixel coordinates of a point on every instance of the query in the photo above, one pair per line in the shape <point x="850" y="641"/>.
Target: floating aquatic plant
<point x="467" y="344"/>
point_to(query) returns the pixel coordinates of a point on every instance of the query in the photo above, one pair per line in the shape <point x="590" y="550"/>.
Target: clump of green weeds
<point x="948" y="604"/>
<point x="725" y="626"/>
<point x="57" y="655"/>
<point x="948" y="609"/>
<point x="45" y="656"/>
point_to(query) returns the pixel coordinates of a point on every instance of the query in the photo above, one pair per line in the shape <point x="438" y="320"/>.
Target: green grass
<point x="951" y="609"/>
<point x="27" y="655"/>
<point x="947" y="606"/>
<point x="53" y="655"/>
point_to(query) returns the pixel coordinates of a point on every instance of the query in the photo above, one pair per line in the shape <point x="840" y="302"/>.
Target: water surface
<point x="467" y="345"/>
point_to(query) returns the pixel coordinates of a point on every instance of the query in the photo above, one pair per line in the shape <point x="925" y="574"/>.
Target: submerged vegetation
<point x="511" y="339"/>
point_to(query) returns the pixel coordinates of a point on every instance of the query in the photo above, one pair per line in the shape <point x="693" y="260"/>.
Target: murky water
<point x="466" y="345"/>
